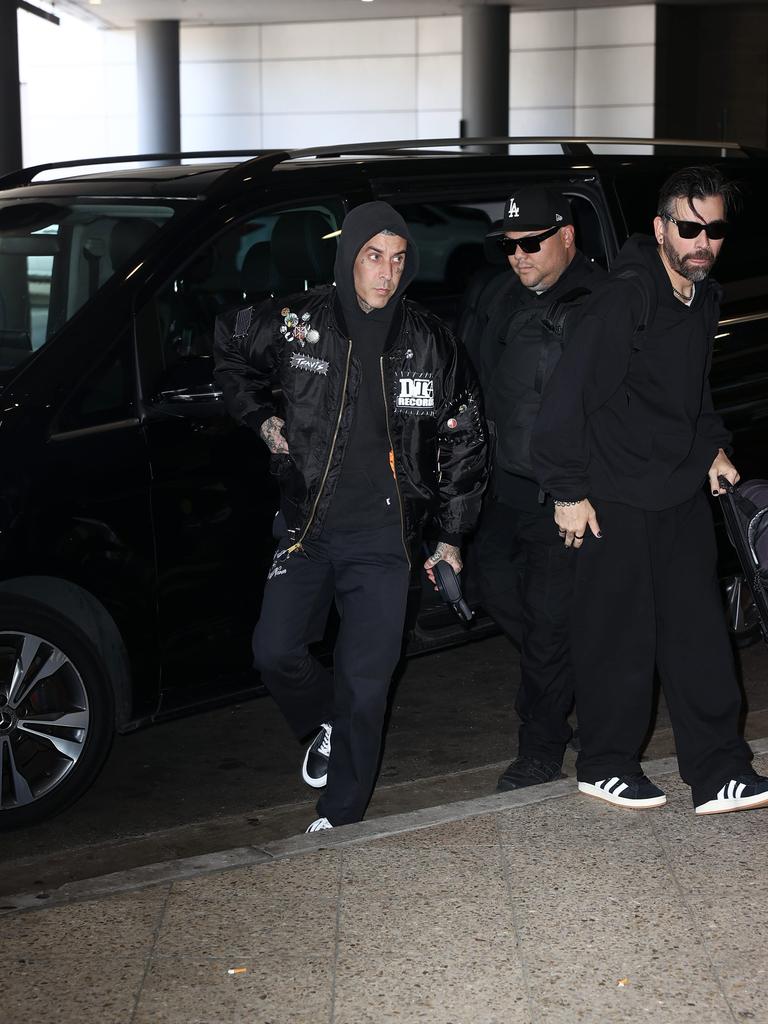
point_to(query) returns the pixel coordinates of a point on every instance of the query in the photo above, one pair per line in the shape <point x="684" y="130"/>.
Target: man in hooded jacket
<point x="378" y="430"/>
<point x="626" y="437"/>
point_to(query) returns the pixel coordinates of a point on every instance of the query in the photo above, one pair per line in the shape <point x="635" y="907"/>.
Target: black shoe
<point x="314" y="770"/>
<point x="529" y="771"/>
<point x="739" y="793"/>
<point x="625" y="791"/>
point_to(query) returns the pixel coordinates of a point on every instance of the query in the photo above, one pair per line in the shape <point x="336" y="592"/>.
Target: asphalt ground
<point x="230" y="777"/>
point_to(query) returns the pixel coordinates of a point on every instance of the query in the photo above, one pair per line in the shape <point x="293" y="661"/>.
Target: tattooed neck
<point x="366" y="308"/>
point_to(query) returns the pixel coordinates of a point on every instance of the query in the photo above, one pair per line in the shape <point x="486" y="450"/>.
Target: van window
<point x="54" y="256"/>
<point x="107" y="396"/>
<point x="450" y="237"/>
<point x="274" y="252"/>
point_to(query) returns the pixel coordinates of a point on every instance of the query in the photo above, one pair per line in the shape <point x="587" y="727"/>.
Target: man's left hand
<point x="443" y="553"/>
<point x="722" y="466"/>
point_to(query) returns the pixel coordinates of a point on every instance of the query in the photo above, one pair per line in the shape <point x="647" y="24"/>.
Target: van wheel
<point x="56" y="711"/>
<point x="741" y="613"/>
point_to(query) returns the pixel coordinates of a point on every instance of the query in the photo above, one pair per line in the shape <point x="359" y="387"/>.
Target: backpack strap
<point x="557" y="313"/>
<point x="640" y="279"/>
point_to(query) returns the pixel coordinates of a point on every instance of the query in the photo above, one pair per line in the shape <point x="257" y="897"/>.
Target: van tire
<point x="67" y="696"/>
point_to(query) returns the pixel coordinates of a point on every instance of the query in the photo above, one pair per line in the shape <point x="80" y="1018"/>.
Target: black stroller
<point x="745" y="510"/>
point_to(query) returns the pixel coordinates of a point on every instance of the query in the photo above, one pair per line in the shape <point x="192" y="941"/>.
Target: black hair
<point x="698" y="183"/>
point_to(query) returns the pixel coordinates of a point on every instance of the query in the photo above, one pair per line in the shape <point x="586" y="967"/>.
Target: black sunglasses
<point x="530" y="244"/>
<point x="716" y="229"/>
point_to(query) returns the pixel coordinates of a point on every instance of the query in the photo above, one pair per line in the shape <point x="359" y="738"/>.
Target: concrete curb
<point x="166" y="872"/>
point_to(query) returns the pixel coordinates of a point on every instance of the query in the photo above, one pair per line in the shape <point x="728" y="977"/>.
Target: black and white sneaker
<point x="528" y="771"/>
<point x="626" y="791"/>
<point x="319" y="824"/>
<point x="314" y="770"/>
<point x="738" y="794"/>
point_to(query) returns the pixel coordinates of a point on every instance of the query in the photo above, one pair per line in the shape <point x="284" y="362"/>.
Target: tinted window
<point x="276" y="252"/>
<point x="107" y="395"/>
<point x="54" y="257"/>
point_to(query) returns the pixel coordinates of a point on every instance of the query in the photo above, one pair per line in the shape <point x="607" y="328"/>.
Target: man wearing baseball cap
<point x="525" y="571"/>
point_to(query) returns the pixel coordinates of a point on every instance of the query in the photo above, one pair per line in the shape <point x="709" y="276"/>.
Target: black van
<point x="134" y="516"/>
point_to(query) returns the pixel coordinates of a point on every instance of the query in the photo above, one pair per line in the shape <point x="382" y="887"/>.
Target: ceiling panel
<point x="125" y="13"/>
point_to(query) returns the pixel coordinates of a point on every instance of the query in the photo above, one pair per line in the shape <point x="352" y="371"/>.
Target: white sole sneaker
<point x="596" y="789"/>
<point x="738" y="803"/>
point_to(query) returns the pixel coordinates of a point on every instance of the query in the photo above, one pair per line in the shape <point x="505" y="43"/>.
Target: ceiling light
<point x="95" y="3"/>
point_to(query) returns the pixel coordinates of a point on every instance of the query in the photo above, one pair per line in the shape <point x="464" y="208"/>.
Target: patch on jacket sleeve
<point x="416" y="392"/>
<point x="309" y="363"/>
<point x="242" y="322"/>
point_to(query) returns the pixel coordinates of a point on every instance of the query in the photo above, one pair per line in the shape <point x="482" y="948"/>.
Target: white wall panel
<point x="438" y="82"/>
<point x="541" y="30"/>
<point x="615" y="75"/>
<point x="438" y="35"/>
<point x="339" y="39"/>
<point x="571" y="71"/>
<point x="221" y="88"/>
<point x="231" y="42"/>
<point x="609" y="26"/>
<point x="294" y="131"/>
<point x="437" y="124"/>
<point x="371" y="83"/>
<point x="627" y="121"/>
<point x="541" y="78"/>
<point x="231" y="131"/>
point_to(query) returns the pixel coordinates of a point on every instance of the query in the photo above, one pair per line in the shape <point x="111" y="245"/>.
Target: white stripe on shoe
<point x="611" y="791"/>
<point x="730" y="798"/>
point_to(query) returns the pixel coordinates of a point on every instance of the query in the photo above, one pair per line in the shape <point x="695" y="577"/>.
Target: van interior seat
<point x="301" y="256"/>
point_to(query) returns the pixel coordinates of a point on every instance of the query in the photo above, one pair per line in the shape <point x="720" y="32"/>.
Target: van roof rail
<point x="576" y="146"/>
<point x="26" y="175"/>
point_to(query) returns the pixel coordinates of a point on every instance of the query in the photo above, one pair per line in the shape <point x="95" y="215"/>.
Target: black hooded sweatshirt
<point x="627" y="415"/>
<point x="366" y="494"/>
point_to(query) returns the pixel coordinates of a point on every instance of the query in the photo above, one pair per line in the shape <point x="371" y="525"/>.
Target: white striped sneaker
<point x="319" y="824"/>
<point x="738" y="794"/>
<point x="625" y="791"/>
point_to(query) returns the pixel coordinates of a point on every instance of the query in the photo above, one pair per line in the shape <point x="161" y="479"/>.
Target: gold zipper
<point x="394" y="470"/>
<point x="297" y="545"/>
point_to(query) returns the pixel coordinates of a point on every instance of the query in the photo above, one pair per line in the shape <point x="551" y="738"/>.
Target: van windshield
<point x="54" y="256"/>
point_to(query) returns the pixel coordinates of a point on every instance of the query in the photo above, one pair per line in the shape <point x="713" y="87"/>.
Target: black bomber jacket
<point x="292" y="358"/>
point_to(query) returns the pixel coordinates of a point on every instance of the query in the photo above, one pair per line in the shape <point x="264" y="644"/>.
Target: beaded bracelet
<point x="566" y="504"/>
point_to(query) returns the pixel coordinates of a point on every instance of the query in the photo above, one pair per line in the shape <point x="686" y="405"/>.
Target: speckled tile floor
<point x="555" y="912"/>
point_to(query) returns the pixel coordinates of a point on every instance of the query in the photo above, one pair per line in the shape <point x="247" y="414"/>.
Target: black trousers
<point x="646" y="595"/>
<point x="526" y="584"/>
<point x="366" y="573"/>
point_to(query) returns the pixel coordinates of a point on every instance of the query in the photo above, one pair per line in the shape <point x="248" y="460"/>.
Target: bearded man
<point x="626" y="437"/>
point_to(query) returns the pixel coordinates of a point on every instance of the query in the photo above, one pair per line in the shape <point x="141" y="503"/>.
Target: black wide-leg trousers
<point x="526" y="585"/>
<point x="366" y="573"/>
<point x="647" y="595"/>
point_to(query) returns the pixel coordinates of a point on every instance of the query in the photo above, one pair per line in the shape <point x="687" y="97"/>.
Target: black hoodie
<point x="366" y="495"/>
<point x="627" y="416"/>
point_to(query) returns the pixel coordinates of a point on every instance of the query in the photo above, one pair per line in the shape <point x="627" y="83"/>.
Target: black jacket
<point x="432" y="401"/>
<point x="628" y="415"/>
<point x="516" y="354"/>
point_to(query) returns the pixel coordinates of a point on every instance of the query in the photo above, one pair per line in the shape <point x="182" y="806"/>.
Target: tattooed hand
<point x="444" y="552"/>
<point x="272" y="436"/>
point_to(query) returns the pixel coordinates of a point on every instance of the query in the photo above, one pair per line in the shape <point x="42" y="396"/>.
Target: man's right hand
<point x="572" y="522"/>
<point x="271" y="432"/>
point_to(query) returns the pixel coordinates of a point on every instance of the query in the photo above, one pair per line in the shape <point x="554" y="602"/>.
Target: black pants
<point x="526" y="584"/>
<point x="647" y="594"/>
<point x="366" y="573"/>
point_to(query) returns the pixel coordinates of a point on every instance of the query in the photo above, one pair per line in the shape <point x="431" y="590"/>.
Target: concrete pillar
<point x="485" y="70"/>
<point x="10" y="101"/>
<point x="157" y="69"/>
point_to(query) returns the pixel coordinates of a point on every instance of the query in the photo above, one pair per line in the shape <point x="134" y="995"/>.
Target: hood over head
<point x="360" y="225"/>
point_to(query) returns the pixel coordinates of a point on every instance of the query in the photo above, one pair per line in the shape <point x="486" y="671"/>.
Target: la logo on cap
<point x="514" y="209"/>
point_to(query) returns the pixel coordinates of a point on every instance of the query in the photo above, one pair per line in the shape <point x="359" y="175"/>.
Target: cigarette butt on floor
<point x="237" y="970"/>
<point x="621" y="983"/>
